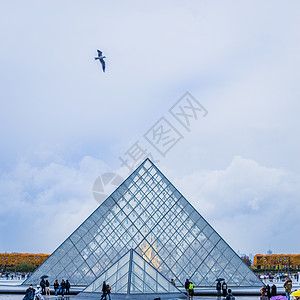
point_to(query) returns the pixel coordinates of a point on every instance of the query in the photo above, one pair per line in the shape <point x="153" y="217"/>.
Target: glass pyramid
<point x="148" y="214"/>
<point x="132" y="275"/>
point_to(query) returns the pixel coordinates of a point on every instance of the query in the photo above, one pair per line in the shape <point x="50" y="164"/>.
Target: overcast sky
<point x="64" y="123"/>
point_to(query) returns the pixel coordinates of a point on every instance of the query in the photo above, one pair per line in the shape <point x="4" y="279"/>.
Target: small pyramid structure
<point x="148" y="214"/>
<point x="132" y="275"/>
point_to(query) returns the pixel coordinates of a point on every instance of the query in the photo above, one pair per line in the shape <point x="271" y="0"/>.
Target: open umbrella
<point x="220" y="279"/>
<point x="296" y="293"/>
<point x="278" y="297"/>
<point x="44" y="276"/>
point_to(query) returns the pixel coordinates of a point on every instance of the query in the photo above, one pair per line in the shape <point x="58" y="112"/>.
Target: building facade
<point x="13" y="259"/>
<point x="277" y="262"/>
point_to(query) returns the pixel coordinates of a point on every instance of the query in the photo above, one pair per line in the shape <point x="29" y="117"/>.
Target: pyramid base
<point x="85" y="295"/>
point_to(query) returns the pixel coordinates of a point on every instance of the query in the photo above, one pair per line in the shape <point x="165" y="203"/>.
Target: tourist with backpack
<point x="108" y="288"/>
<point x="288" y="287"/>
<point x="191" y="291"/>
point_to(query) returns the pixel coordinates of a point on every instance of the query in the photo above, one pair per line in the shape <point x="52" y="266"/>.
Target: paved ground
<point x="20" y="297"/>
<point x="13" y="290"/>
<point x="10" y="282"/>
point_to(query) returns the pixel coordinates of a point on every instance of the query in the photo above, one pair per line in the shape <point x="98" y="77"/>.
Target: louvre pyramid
<point x="148" y="214"/>
<point x="133" y="275"/>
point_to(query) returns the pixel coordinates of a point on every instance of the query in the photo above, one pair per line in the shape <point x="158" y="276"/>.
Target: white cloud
<point x="252" y="206"/>
<point x="48" y="203"/>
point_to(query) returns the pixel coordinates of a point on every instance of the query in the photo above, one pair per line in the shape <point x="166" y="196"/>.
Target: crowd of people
<point x="267" y="291"/>
<point x="222" y="290"/>
<point x="14" y="275"/>
<point x="62" y="288"/>
<point x="278" y="277"/>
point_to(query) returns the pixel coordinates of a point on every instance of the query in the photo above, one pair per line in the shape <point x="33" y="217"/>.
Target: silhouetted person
<point x="186" y="286"/>
<point x="43" y="286"/>
<point x="273" y="290"/>
<point x="218" y="288"/>
<point x="104" y="291"/>
<point x="224" y="289"/>
<point x="56" y="285"/>
<point x="62" y="287"/>
<point x="68" y="285"/>
<point x="268" y="291"/>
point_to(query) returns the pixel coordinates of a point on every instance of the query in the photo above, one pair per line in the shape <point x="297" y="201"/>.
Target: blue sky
<point x="64" y="122"/>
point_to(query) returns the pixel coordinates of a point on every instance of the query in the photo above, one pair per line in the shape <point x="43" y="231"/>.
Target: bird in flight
<point x="101" y="59"/>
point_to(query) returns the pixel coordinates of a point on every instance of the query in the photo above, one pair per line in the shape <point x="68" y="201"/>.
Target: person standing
<point x="288" y="287"/>
<point x="47" y="287"/>
<point x="104" y="291"/>
<point x="273" y="290"/>
<point x="62" y="287"/>
<point x="263" y="291"/>
<point x="43" y="286"/>
<point x="268" y="291"/>
<point x="56" y="285"/>
<point x="191" y="290"/>
<point x="224" y="288"/>
<point x="68" y="285"/>
<point x="173" y="282"/>
<point x="108" y="288"/>
<point x="186" y="286"/>
<point x="218" y="288"/>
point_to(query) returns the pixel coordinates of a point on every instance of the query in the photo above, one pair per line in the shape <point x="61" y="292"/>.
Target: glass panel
<point x="122" y="284"/>
<point x="208" y="230"/>
<point x="138" y="271"/>
<point x="228" y="253"/>
<point x="150" y="284"/>
<point x="214" y="238"/>
<point x="136" y="284"/>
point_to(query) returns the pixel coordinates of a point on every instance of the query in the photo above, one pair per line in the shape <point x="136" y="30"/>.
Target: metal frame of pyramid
<point x="148" y="214"/>
<point x="132" y="275"/>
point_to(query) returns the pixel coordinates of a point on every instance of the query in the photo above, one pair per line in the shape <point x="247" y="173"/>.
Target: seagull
<point x="101" y="59"/>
